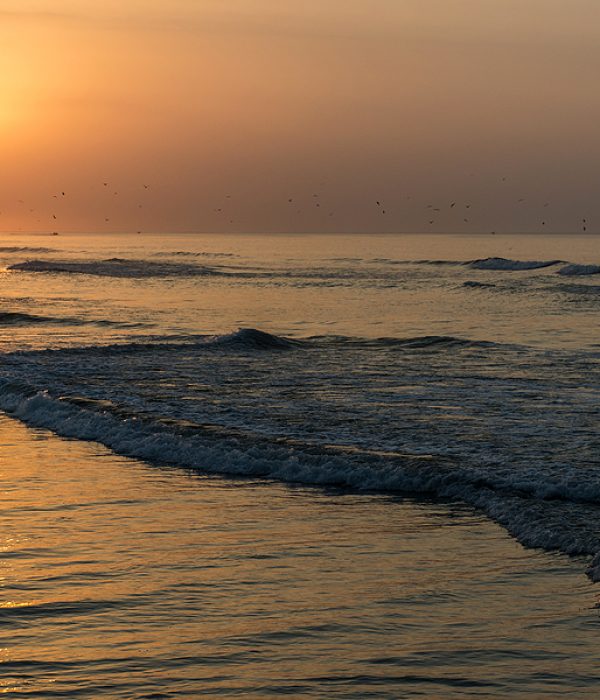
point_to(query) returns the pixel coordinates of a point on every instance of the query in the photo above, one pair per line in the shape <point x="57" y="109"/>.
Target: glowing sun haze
<point x="227" y="110"/>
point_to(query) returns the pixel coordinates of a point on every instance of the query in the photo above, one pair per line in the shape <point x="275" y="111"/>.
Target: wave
<point x="432" y="262"/>
<point x="534" y="511"/>
<point x="193" y="254"/>
<point x="477" y="285"/>
<point x="502" y="264"/>
<point x="25" y="249"/>
<point x="592" y="290"/>
<point x="255" y="339"/>
<point x="18" y="318"/>
<point x="115" y="267"/>
<point x="510" y="265"/>
<point x="252" y="339"/>
<point x="423" y="342"/>
<point x="573" y="270"/>
<point x="492" y="263"/>
<point x="332" y="411"/>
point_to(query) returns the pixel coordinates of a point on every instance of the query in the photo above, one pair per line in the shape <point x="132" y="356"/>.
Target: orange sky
<point x="239" y="106"/>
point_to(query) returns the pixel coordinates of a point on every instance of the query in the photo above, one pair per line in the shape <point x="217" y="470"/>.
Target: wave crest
<point x="510" y="265"/>
<point x="256" y="339"/>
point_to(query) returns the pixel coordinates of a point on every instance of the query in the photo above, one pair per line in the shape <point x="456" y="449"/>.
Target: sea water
<point x="314" y="453"/>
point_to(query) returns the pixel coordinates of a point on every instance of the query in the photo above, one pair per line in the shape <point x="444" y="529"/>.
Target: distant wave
<point x="510" y="265"/>
<point x="573" y="270"/>
<point x="506" y="264"/>
<point x="25" y="249"/>
<point x="114" y="267"/>
<point x="492" y="263"/>
<point x="477" y="285"/>
<point x="18" y="318"/>
<point x="592" y="290"/>
<point x="252" y="339"/>
<point x="193" y="254"/>
<point x="431" y="262"/>
<point x="133" y="268"/>
<point x="424" y="342"/>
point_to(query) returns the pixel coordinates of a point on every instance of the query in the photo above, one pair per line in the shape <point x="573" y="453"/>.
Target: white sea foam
<point x="516" y="498"/>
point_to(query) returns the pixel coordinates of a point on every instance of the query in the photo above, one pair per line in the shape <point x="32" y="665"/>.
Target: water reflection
<point x="128" y="580"/>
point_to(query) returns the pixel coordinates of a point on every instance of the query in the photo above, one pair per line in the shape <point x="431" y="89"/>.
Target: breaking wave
<point x="534" y="512"/>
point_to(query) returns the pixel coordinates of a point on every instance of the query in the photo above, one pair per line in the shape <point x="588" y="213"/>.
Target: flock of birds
<point x="435" y="212"/>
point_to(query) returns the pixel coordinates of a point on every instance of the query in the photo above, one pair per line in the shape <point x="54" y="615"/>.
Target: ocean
<point x="323" y="466"/>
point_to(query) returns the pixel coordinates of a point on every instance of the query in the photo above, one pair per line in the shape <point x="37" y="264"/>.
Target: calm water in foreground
<point x="318" y="466"/>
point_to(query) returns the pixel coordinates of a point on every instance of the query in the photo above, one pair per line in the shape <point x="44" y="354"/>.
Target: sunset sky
<point x="228" y="109"/>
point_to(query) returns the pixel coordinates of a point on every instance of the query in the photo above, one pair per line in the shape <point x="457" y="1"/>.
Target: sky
<point x="231" y="115"/>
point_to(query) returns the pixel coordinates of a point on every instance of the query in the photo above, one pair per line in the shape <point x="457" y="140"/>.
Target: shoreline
<point x="263" y="588"/>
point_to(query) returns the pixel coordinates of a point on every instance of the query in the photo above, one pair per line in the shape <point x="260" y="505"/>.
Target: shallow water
<point x="463" y="370"/>
<point x="121" y="579"/>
